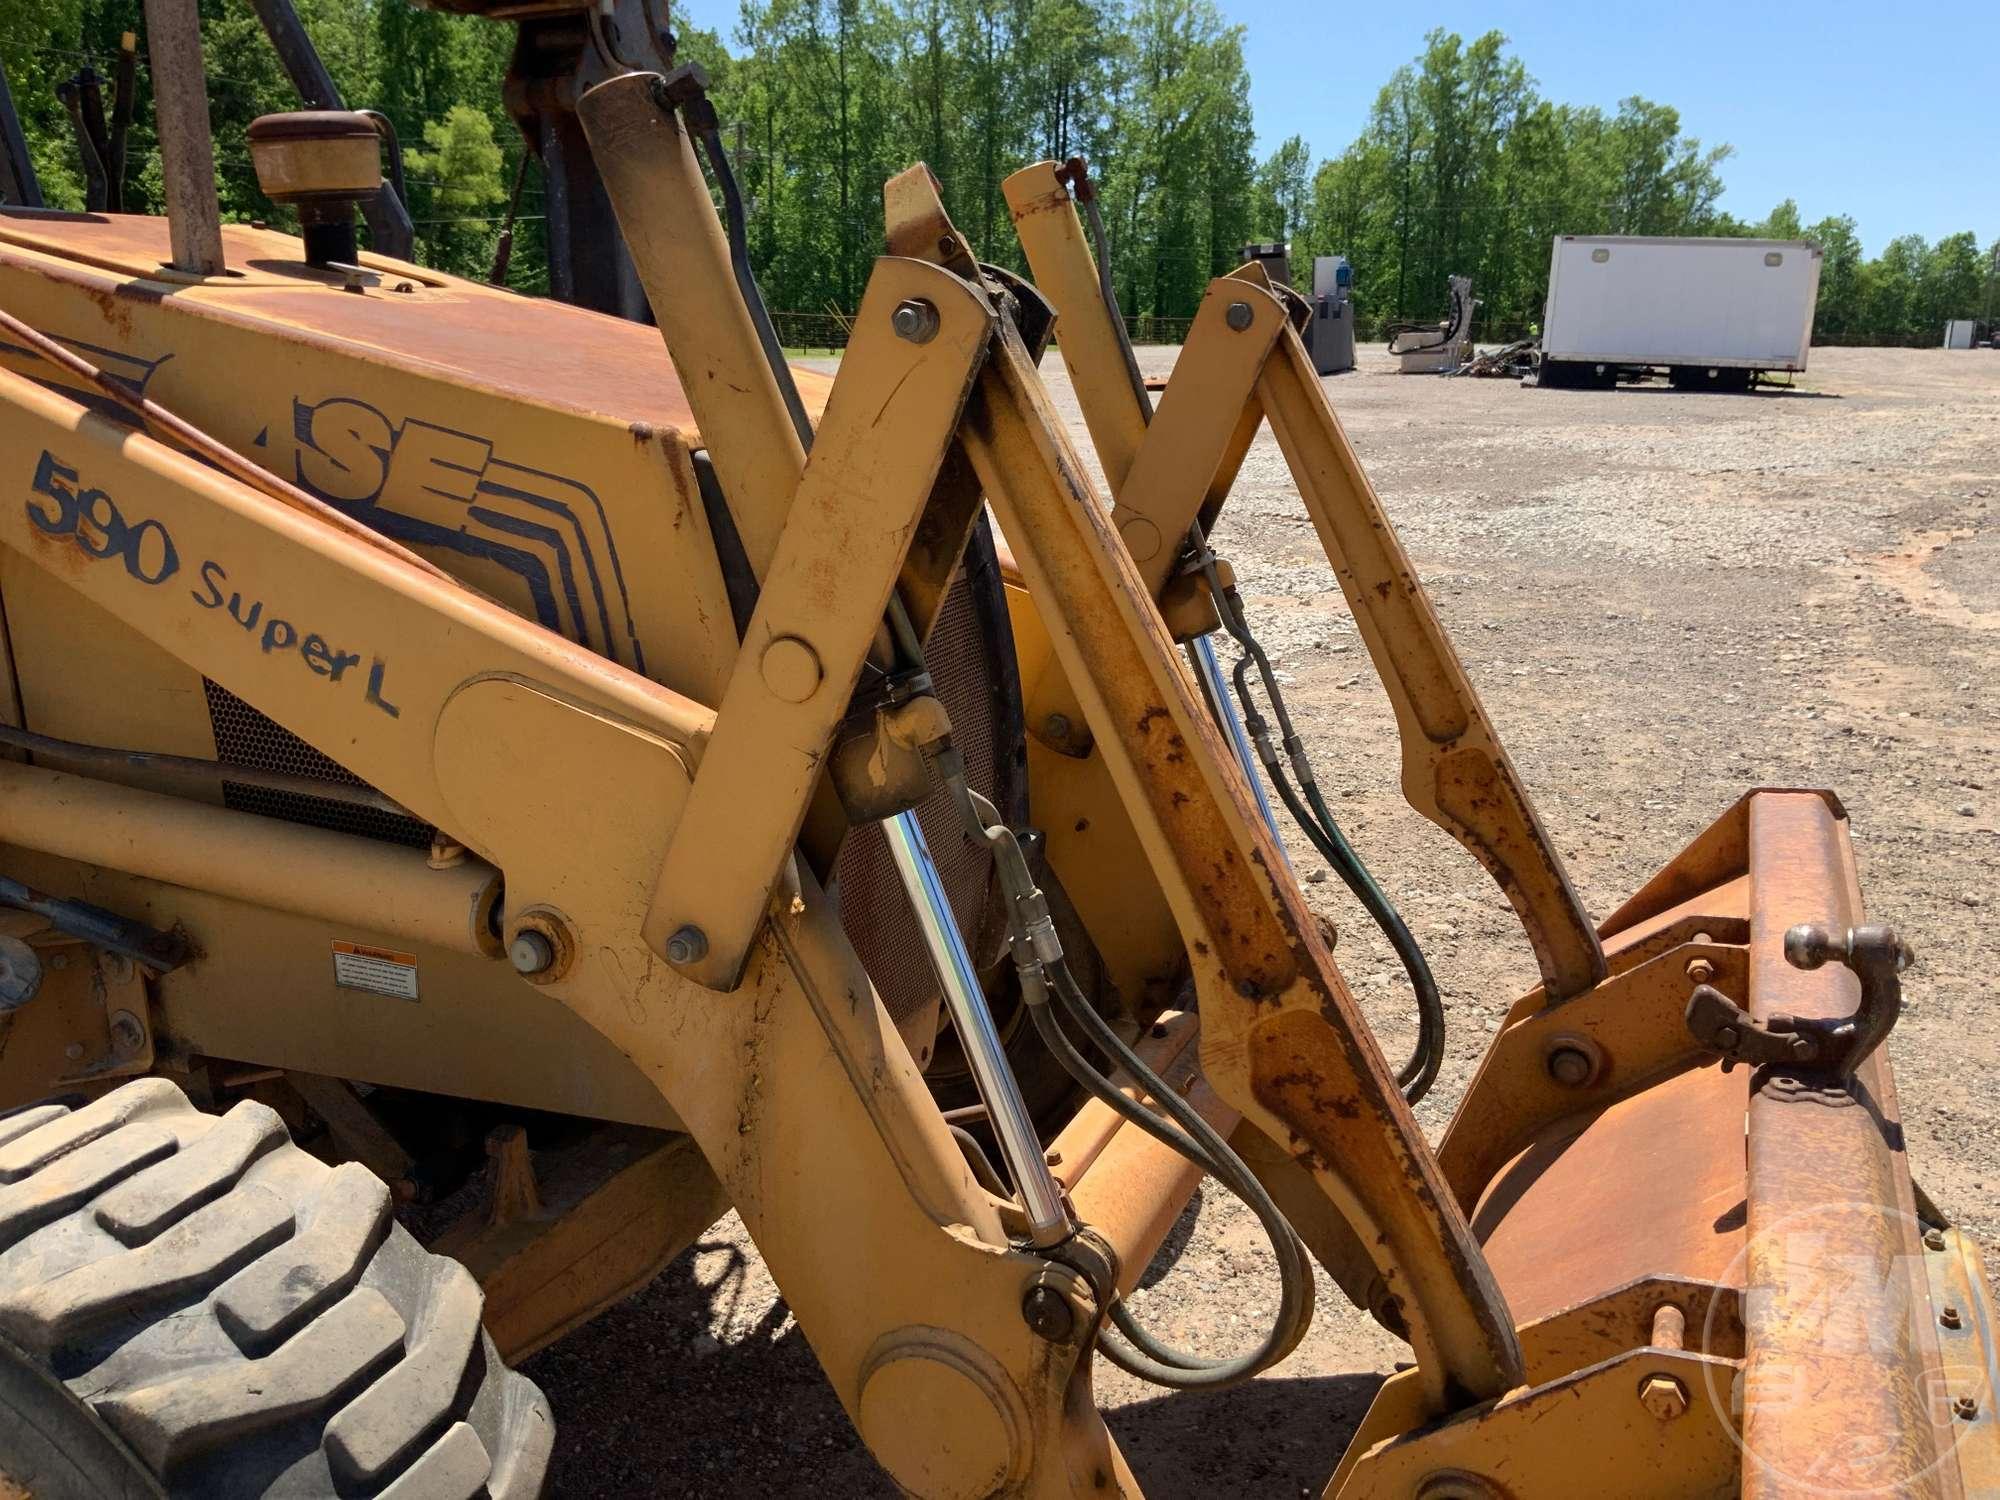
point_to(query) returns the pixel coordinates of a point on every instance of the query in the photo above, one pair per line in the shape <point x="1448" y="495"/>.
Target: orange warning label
<point x="380" y="971"/>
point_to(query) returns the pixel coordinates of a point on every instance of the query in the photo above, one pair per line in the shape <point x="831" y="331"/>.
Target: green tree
<point x="462" y="164"/>
<point x="1892" y="284"/>
<point x="1782" y="223"/>
<point x="1840" y="311"/>
<point x="1950" y="283"/>
<point x="1284" y="192"/>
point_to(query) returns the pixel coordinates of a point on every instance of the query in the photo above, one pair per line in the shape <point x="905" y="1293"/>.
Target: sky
<point x="1884" y="112"/>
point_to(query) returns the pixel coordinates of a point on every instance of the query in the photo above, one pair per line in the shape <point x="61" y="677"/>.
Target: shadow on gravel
<point x="1762" y="393"/>
<point x="1272" y="1437"/>
<point x="647" y="1402"/>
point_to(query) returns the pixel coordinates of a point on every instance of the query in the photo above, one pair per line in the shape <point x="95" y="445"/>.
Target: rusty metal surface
<point x="1963" y="1303"/>
<point x="1843" y="1381"/>
<point x="1667" y="1312"/>
<point x="1583" y="1436"/>
<point x="1653" y="1186"/>
<point x="1136" y="1186"/>
<point x="1624" y="1036"/>
<point x="523" y="348"/>
<point x="1282" y="1037"/>
<point x="1719" y="853"/>
<point x="1456" y="772"/>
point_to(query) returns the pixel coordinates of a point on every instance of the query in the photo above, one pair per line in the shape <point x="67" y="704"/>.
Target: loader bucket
<point x="1735" y="1265"/>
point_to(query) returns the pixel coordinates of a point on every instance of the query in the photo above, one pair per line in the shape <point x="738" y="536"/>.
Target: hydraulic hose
<point x="1044" y="972"/>
<point x="1309" y="810"/>
<point x="1314" y="819"/>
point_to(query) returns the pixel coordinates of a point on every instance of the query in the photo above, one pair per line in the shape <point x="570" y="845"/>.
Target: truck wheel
<point x="191" y="1305"/>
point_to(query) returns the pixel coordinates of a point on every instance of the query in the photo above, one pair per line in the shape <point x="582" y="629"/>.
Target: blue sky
<point x="1874" y="110"/>
<point x="1886" y="112"/>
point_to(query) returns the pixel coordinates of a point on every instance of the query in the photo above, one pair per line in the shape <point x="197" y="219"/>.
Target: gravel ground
<point x="1664" y="599"/>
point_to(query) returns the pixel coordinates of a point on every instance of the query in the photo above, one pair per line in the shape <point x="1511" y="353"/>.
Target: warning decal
<point x="380" y="971"/>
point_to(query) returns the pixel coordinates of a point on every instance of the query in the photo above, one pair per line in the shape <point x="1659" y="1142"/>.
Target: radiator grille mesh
<point x="963" y="652"/>
<point x="245" y="737"/>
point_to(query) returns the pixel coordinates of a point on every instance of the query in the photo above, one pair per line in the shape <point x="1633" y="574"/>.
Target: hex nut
<point x="1664" y="1396"/>
<point x="688" y="945"/>
<point x="1966" y="1407"/>
<point x="1934" y="1239"/>
<point x="915" y="320"/>
<point x="1950" y="1318"/>
<point x="1700" y="970"/>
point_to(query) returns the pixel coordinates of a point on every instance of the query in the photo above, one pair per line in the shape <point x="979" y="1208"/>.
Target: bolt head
<point x="1570" y="1066"/>
<point x="1664" y="1396"/>
<point x="1966" y="1407"/>
<point x="1950" y="1318"/>
<point x="688" y="945"/>
<point x="531" y="952"/>
<point x="1049" y="1314"/>
<point x="915" y="320"/>
<point x="127" y="1034"/>
<point x="1455" y="1484"/>
<point x="1057" y="726"/>
<point x="1239" y="316"/>
<point x="1934" y="1239"/>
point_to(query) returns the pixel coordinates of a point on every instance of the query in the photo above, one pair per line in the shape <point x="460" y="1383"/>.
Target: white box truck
<point x="1711" y="313"/>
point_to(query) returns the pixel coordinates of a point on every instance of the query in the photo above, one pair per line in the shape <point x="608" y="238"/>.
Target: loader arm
<point x="576" y="778"/>
<point x="1242" y="362"/>
<point x="650" y="840"/>
<point x="570" y="774"/>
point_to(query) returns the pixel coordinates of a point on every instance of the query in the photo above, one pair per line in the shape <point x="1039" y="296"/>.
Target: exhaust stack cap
<point x="321" y="162"/>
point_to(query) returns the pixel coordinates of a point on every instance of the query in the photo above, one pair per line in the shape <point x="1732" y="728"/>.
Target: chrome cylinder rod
<point x="985" y="1054"/>
<point x="1208" y="672"/>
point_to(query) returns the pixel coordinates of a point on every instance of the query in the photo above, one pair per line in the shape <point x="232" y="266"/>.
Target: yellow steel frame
<point x="620" y="812"/>
<point x="1243" y="362"/>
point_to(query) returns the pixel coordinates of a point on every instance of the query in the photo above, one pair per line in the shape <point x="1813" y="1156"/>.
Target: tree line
<point x="1463" y="167"/>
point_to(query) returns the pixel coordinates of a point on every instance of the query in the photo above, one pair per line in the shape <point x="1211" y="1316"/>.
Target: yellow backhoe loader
<point x="601" y="776"/>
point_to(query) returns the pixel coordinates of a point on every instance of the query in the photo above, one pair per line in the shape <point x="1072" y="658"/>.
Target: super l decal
<point x="61" y="505"/>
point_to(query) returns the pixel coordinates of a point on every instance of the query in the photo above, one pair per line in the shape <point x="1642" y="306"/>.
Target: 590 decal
<point x="94" y="520"/>
<point x="60" y="505"/>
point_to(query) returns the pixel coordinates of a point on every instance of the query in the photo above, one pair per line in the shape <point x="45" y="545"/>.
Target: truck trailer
<point x="1710" y="313"/>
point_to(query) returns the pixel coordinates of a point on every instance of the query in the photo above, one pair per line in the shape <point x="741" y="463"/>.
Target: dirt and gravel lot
<point x="1664" y="599"/>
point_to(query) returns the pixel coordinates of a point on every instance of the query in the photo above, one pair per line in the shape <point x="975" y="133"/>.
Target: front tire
<point x="240" y="1319"/>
